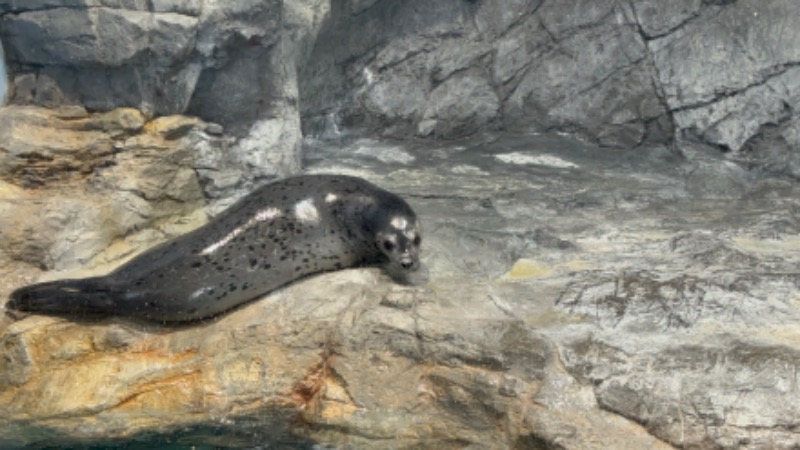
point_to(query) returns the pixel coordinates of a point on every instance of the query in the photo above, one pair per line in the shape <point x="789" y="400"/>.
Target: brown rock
<point x="97" y="178"/>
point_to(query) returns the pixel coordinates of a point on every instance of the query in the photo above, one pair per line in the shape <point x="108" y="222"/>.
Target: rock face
<point x="574" y="299"/>
<point x="232" y="64"/>
<point x="621" y="74"/>
<point x="74" y="183"/>
<point x="636" y="289"/>
<point x="618" y="73"/>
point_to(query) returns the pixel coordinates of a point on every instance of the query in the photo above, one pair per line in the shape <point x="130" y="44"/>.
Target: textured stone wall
<point x="228" y="62"/>
<point x="619" y="73"/>
<point x="636" y="289"/>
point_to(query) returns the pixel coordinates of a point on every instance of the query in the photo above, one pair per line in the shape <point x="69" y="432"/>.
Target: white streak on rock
<point x="538" y="160"/>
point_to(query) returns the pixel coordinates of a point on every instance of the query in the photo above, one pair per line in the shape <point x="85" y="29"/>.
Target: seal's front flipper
<point x="88" y="295"/>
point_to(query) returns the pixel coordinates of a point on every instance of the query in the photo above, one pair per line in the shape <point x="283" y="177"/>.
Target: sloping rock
<point x="572" y="299"/>
<point x="86" y="180"/>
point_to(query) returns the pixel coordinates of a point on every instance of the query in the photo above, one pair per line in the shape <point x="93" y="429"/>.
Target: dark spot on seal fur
<point x="196" y="264"/>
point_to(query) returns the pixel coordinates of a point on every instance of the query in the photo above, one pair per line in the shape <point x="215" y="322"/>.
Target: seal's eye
<point x="388" y="245"/>
<point x="417" y="241"/>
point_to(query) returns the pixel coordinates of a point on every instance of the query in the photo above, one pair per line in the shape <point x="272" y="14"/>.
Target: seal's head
<point x="392" y="226"/>
<point x="399" y="239"/>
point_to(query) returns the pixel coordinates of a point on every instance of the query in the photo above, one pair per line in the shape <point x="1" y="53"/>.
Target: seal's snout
<point x="409" y="263"/>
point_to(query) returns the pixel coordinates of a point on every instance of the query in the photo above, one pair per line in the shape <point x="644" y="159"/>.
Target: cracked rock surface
<point x="619" y="73"/>
<point x="637" y="289"/>
<point x="573" y="298"/>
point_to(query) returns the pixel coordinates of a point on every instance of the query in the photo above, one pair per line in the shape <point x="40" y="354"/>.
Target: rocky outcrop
<point x="573" y="66"/>
<point x="621" y="74"/>
<point x="575" y="296"/>
<point x="730" y="76"/>
<point x="227" y="63"/>
<point x="573" y="299"/>
<point x="77" y="184"/>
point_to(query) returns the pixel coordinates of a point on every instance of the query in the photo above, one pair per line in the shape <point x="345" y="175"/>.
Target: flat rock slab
<point x="573" y="297"/>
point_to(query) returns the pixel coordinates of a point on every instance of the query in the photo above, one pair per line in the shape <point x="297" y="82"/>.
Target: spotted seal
<point x="281" y="232"/>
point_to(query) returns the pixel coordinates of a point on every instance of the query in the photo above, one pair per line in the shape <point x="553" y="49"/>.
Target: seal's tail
<point x="87" y="296"/>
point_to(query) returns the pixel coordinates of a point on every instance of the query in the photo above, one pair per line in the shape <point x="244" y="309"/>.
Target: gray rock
<point x="496" y="17"/>
<point x="578" y="66"/>
<point x="694" y="74"/>
<point x="185" y="7"/>
<point x="58" y="37"/>
<point x="111" y="59"/>
<point x="565" y="19"/>
<point x="773" y="150"/>
<point x="728" y="93"/>
<point x="382" y="98"/>
<point x="162" y="58"/>
<point x="459" y="106"/>
<point x="621" y="75"/>
<point x="617" y="94"/>
<point x="628" y="299"/>
<point x="101" y="177"/>
<point x="604" y="298"/>
<point x="660" y="18"/>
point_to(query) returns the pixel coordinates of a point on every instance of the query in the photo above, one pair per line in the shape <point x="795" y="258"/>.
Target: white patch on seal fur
<point x="196" y="294"/>
<point x="331" y="197"/>
<point x="306" y="211"/>
<point x="268" y="214"/>
<point x="262" y="215"/>
<point x="400" y="223"/>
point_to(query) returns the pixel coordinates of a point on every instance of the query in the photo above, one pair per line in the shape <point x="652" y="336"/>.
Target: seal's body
<point x="279" y="233"/>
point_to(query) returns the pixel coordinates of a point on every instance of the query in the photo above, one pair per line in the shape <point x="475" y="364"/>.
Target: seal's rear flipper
<point x="89" y="295"/>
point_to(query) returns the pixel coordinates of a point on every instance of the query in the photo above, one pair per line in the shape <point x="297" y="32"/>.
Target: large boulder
<point x="78" y="182"/>
<point x="228" y="63"/>
<point x="581" y="67"/>
<point x="573" y="299"/>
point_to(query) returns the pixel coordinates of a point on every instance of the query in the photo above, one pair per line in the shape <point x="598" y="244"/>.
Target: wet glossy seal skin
<point x="279" y="233"/>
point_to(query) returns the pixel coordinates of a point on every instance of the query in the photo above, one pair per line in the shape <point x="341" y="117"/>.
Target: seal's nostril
<point x="407" y="264"/>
